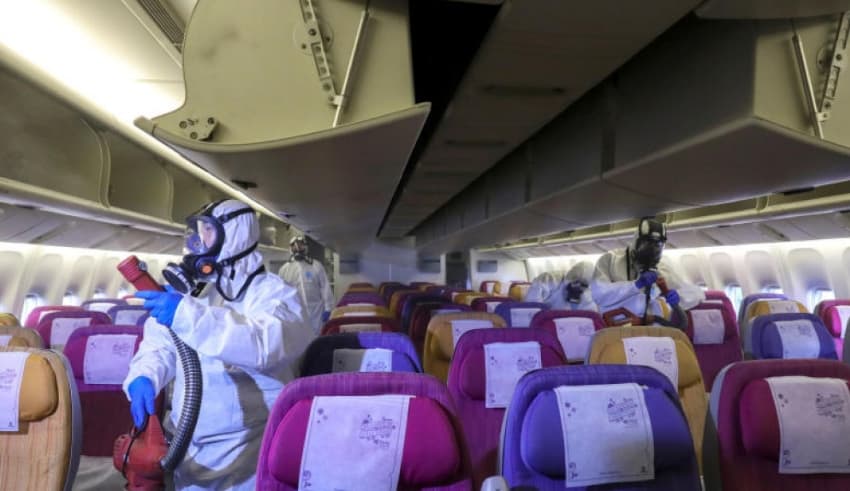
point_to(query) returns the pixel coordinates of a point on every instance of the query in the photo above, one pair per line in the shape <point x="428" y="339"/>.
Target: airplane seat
<point x="481" y="390"/>
<point x="422" y="316"/>
<point x="352" y="352"/>
<point x="397" y="301"/>
<point x="466" y="298"/>
<point x="519" y="314"/>
<point x="361" y="284"/>
<point x="533" y="448"/>
<point x="720" y="298"/>
<point x="786" y="336"/>
<point x="360" y="298"/>
<point x="20" y="337"/>
<point x="102" y="304"/>
<point x="362" y="289"/>
<point x="359" y="323"/>
<point x="714" y="334"/>
<point x="44" y="453"/>
<point x="835" y="315"/>
<point x="383" y="285"/>
<point x="9" y="319"/>
<point x="100" y="360"/>
<point x="443" y="334"/>
<point x="518" y="290"/>
<point x="37" y="313"/>
<point x="56" y="328"/>
<point x="455" y="294"/>
<point x="388" y="290"/>
<point x="419" y="284"/>
<point x="414" y="301"/>
<point x="765" y="307"/>
<point x="490" y="287"/>
<point x="573" y="328"/>
<point x="361" y="311"/>
<point x="487" y="303"/>
<point x="128" y="315"/>
<point x="434" y="454"/>
<point x="744" y="313"/>
<point x="746" y="451"/>
<point x="638" y="345"/>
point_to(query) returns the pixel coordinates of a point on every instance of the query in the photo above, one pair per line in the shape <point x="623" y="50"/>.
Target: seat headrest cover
<point x="760" y="434"/>
<point x="431" y="455"/>
<point x="689" y="371"/>
<point x="772" y="345"/>
<point x="542" y="447"/>
<point x="39" y="396"/>
<point x="473" y="379"/>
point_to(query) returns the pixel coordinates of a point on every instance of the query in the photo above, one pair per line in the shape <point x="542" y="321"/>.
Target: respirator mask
<point x="649" y="244"/>
<point x="204" y="238"/>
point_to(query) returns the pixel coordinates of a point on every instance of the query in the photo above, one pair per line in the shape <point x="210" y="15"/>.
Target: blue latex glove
<point x="142" y="398"/>
<point x="162" y="304"/>
<point x="326" y="315"/>
<point x="672" y="298"/>
<point x="646" y="280"/>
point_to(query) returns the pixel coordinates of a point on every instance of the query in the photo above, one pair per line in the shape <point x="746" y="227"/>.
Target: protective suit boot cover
<point x="137" y="456"/>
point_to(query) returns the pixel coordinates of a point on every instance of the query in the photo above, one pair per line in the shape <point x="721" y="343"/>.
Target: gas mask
<point x="574" y="291"/>
<point x="299" y="250"/>
<point x="649" y="244"/>
<point x="204" y="238"/>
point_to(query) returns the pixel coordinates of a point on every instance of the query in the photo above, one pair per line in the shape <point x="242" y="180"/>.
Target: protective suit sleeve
<point x="607" y="287"/>
<point x="156" y="358"/>
<point x="272" y="330"/>
<point x="690" y="295"/>
<point x="327" y="293"/>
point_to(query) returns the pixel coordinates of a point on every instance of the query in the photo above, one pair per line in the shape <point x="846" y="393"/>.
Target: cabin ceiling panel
<point x="543" y="41"/>
<point x="769" y="9"/>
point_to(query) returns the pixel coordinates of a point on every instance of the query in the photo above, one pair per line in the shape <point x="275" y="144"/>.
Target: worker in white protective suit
<point x="623" y="277"/>
<point x="561" y="291"/>
<point x="311" y="280"/>
<point x="247" y="328"/>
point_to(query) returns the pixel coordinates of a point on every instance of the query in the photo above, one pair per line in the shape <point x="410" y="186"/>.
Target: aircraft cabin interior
<point x="424" y="245"/>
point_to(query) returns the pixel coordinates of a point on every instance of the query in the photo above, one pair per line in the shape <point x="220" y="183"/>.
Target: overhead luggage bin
<point x="726" y="110"/>
<point x="284" y="96"/>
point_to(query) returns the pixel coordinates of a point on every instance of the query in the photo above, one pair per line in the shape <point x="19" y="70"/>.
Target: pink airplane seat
<point x="128" y="315"/>
<point x="532" y="452"/>
<point x="835" y="315"/>
<point x="745" y="452"/>
<point x="434" y="456"/>
<point x="573" y="329"/>
<point x="488" y="304"/>
<point x="106" y="411"/>
<point x="37" y="313"/>
<point x="102" y="304"/>
<point x="359" y="324"/>
<point x="56" y="328"/>
<point x="467" y="385"/>
<point x="714" y="333"/>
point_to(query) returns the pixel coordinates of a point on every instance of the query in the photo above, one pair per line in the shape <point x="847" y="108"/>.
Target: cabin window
<point x="817" y="296"/>
<point x="98" y="294"/>
<point x="773" y="289"/>
<point x="70" y="298"/>
<point x="31" y="301"/>
<point x="735" y="294"/>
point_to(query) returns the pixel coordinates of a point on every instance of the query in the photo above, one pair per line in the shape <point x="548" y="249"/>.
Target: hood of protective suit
<point x="543" y="287"/>
<point x="240" y="234"/>
<point x="582" y="271"/>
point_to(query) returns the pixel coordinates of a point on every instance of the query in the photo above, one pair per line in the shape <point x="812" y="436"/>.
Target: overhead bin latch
<point x="200" y="129"/>
<point x="820" y="113"/>
<point x="314" y="38"/>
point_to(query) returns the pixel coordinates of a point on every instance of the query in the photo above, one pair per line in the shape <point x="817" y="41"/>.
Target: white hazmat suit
<point x="311" y="280"/>
<point x="550" y="288"/>
<point x="247" y="349"/>
<point x="613" y="285"/>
